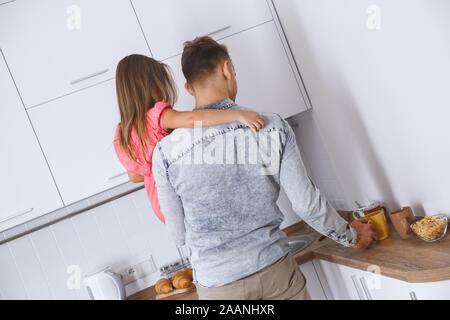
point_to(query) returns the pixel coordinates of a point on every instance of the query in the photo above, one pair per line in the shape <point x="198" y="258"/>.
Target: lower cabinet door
<point x="315" y="289"/>
<point x="350" y="283"/>
<point x="266" y="81"/>
<point x="339" y="281"/>
<point x="353" y="284"/>
<point x="77" y="134"/>
<point x="379" y="287"/>
<point x="431" y="291"/>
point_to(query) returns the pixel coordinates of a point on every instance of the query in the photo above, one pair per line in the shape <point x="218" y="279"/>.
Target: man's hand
<point x="365" y="233"/>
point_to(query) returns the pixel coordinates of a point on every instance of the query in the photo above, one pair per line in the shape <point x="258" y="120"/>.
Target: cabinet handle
<point x="218" y="30"/>
<point x="355" y="283"/>
<point x="89" y="76"/>
<point x="16" y="215"/>
<point x="117" y="175"/>
<point x="413" y="295"/>
<point x="366" y="290"/>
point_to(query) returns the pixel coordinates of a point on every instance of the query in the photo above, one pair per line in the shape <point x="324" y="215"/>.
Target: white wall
<point x="316" y="160"/>
<point x="381" y="98"/>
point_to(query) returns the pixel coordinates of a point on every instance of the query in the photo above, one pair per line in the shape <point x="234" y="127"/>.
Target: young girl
<point x="146" y="93"/>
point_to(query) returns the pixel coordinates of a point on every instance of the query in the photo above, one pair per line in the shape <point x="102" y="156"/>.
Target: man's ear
<point x="188" y="89"/>
<point x="227" y="70"/>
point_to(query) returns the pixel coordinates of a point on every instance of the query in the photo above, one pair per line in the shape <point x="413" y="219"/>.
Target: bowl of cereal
<point x="431" y="228"/>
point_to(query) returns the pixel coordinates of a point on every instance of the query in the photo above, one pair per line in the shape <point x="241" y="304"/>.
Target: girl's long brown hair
<point x="140" y="83"/>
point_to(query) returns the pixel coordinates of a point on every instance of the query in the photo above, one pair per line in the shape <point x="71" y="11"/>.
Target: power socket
<point x="138" y="271"/>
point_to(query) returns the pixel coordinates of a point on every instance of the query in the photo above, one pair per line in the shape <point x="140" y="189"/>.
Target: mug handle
<point x="357" y="215"/>
<point x="406" y="223"/>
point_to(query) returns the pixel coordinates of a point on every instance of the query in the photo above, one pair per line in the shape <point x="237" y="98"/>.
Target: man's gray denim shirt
<point x="221" y="202"/>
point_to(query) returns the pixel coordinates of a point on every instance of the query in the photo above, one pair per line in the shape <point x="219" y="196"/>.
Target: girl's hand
<point x="252" y="119"/>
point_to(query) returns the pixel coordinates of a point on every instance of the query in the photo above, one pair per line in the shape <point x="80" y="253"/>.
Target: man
<point x="218" y="190"/>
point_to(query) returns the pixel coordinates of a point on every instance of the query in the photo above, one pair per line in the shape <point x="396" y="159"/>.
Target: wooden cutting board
<point x="172" y="294"/>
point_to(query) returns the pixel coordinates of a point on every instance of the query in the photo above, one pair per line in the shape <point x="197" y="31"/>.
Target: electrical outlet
<point x="138" y="271"/>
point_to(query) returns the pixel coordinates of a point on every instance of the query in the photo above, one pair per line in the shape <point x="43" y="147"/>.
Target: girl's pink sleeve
<point x="129" y="164"/>
<point x="154" y="119"/>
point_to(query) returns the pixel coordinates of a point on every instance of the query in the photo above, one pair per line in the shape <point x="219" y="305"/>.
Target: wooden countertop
<point x="411" y="260"/>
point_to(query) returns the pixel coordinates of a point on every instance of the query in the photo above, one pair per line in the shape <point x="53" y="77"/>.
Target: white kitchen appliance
<point x="105" y="285"/>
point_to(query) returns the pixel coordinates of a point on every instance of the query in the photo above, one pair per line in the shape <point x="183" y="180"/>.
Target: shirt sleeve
<point x="170" y="203"/>
<point x="307" y="200"/>
<point x="154" y="120"/>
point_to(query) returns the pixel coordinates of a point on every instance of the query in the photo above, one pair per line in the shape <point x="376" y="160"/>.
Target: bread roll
<point x="181" y="281"/>
<point x="188" y="272"/>
<point x="163" y="286"/>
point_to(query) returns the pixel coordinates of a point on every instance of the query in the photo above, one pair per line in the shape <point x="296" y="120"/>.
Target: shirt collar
<point x="221" y="105"/>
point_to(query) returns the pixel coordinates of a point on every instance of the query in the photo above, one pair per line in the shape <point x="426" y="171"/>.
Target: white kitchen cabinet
<point x="431" y="290"/>
<point x="77" y="133"/>
<point x="27" y="188"/>
<point x="340" y="283"/>
<point x="265" y="77"/>
<point x="353" y="284"/>
<point x="56" y="47"/>
<point x="379" y="287"/>
<point x="350" y="283"/>
<point x="168" y="24"/>
<point x="313" y="284"/>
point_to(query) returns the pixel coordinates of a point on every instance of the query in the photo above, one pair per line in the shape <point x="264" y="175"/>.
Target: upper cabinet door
<point x="168" y="24"/>
<point x="27" y="188"/>
<point x="265" y="77"/>
<point x="56" y="47"/>
<point x="266" y="81"/>
<point x="77" y="134"/>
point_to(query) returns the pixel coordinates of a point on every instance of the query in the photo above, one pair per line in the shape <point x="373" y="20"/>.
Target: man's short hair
<point x="201" y="57"/>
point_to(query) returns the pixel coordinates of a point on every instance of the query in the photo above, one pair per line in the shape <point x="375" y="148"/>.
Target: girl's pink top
<point x="144" y="168"/>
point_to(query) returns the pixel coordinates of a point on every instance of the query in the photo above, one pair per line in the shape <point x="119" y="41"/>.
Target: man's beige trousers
<point x="281" y="281"/>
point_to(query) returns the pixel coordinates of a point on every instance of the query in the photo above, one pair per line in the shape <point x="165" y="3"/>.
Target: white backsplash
<point x="119" y="234"/>
<point x="122" y="233"/>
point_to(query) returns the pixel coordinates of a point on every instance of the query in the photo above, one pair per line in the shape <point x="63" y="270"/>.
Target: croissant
<point x="188" y="272"/>
<point x="181" y="281"/>
<point x="163" y="286"/>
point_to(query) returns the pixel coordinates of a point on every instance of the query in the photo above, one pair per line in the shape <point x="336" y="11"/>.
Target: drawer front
<point x="338" y="280"/>
<point x="27" y="188"/>
<point x="431" y="291"/>
<point x="77" y="133"/>
<point x="378" y="287"/>
<point x="265" y="77"/>
<point x="55" y="47"/>
<point x="168" y="24"/>
<point x="371" y="285"/>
